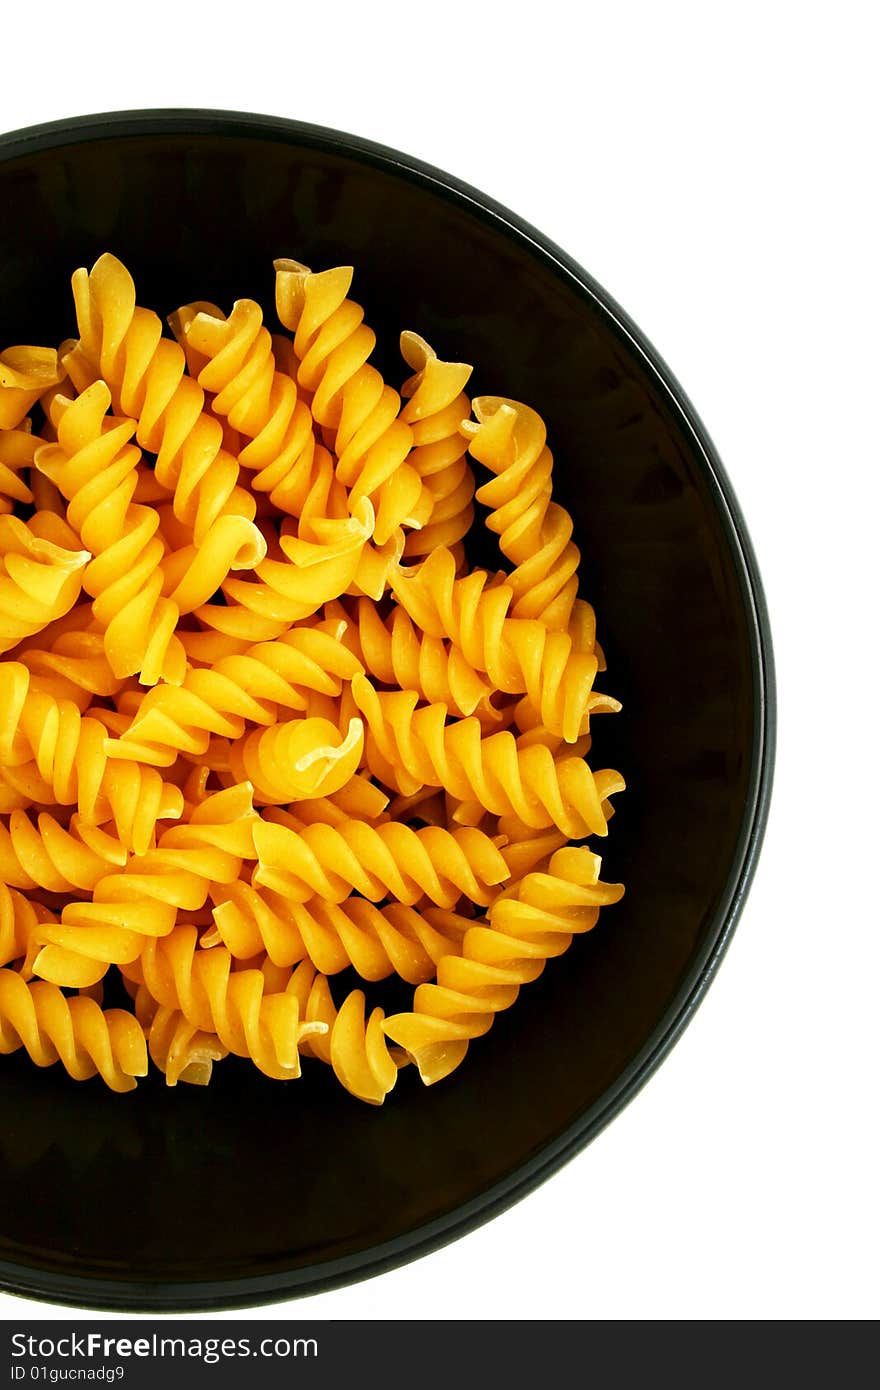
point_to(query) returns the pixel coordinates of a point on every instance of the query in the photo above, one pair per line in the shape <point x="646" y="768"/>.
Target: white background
<point x="712" y="165"/>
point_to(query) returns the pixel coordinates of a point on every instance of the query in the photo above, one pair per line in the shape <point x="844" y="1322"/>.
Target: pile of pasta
<point x="260" y="722"/>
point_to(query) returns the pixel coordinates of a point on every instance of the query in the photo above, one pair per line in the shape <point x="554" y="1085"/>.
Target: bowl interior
<point x="250" y="1186"/>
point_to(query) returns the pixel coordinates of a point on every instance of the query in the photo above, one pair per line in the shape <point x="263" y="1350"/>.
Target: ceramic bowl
<point x="250" y="1190"/>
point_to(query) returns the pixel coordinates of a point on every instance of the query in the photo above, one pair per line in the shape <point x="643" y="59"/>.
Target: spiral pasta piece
<point x="143" y="900"/>
<point x="17" y="448"/>
<point x="377" y="861"/>
<point x="298" y="760"/>
<point x="122" y="344"/>
<point x="283" y="592"/>
<point x="408" y="748"/>
<point x="179" y="1049"/>
<point x="63" y="755"/>
<point x="71" y="660"/>
<point x="88" y="1042"/>
<point x="349" y="397"/>
<point x="53" y="857"/>
<point x="435" y="408"/>
<point x="237" y="362"/>
<point x="278" y="782"/>
<point x="247" y="687"/>
<point x="19" y="921"/>
<point x="534" y="532"/>
<point x="41" y="574"/>
<point x="377" y="941"/>
<point x="94" y="464"/>
<point x="553" y="670"/>
<point x="15" y="794"/>
<point x="352" y="1044"/>
<point x="526" y="925"/>
<point x="359" y="799"/>
<point x="234" y="359"/>
<point x="526" y="850"/>
<point x="396" y="652"/>
<point x="25" y="374"/>
<point x="232" y="1004"/>
<point x="194" y="572"/>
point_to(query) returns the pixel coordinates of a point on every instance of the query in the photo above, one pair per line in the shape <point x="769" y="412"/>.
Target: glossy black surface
<point x="251" y="1189"/>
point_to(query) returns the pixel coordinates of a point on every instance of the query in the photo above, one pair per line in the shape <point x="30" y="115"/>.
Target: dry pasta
<point x="261" y="722"/>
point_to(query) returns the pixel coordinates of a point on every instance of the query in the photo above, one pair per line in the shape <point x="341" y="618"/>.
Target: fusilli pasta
<point x="76" y="1032"/>
<point x="525" y="926"/>
<point x="261" y="723"/>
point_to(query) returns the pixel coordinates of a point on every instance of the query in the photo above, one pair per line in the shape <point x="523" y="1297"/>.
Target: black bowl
<point x="249" y="1191"/>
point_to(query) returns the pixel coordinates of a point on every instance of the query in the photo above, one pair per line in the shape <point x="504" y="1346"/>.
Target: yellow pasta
<point x="41" y="575"/>
<point x="525" y="927"/>
<point x="143" y="899"/>
<point x="62" y="753"/>
<point x="121" y="344"/>
<point x="94" y="465"/>
<point x="180" y="1049"/>
<point x="534" y="531"/>
<point x="388" y="860"/>
<point x="371" y="439"/>
<point x="411" y="747"/>
<point x="298" y="760"/>
<point x="37" y="850"/>
<point x="309" y="574"/>
<point x="19" y="921"/>
<point x="237" y="362"/>
<point x="76" y="1032"/>
<point x="234" y="1005"/>
<point x="394" y="650"/>
<point x="239" y="690"/>
<point x="352" y="1044"/>
<point x="261" y="722"/>
<point x="553" y="670"/>
<point x="17" y="448"/>
<point x="397" y="939"/>
<point x="26" y="373"/>
<point x="435" y="410"/>
<point x="73" y="659"/>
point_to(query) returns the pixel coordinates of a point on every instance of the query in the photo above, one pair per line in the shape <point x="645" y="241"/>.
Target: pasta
<point x="388" y="860"/>
<point x="26" y="373"/>
<point x="435" y="410"/>
<point x="143" y="898"/>
<point x="553" y="670"/>
<point x="40" y="575"/>
<point x="534" y="532"/>
<point x="261" y="722"/>
<point x="360" y="413"/>
<point x="247" y="1019"/>
<point x="240" y="689"/>
<point x="395" y="651"/>
<point x="76" y="1032"/>
<point x="409" y="748"/>
<point x="354" y="1046"/>
<point x="525" y="926"/>
<point x="19" y="919"/>
<point x="286" y="590"/>
<point x="178" y="1047"/>
<point x="38" y="851"/>
<point x="235" y="358"/>
<point x="396" y="939"/>
<point x="17" y="449"/>
<point x="121" y="344"/>
<point x="94" y="465"/>
<point x="62" y="754"/>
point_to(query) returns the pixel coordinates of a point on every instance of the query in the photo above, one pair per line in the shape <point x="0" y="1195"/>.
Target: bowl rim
<point x="86" y="1291"/>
